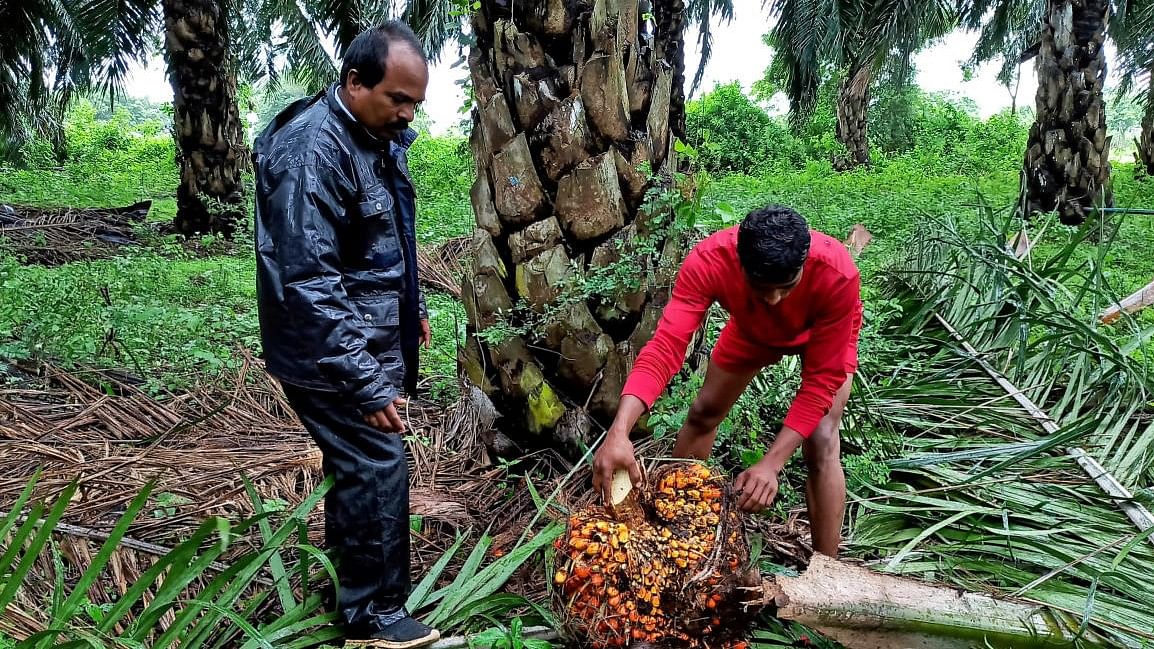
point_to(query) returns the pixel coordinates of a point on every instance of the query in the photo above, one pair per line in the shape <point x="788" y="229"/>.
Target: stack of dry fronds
<point x="59" y="236"/>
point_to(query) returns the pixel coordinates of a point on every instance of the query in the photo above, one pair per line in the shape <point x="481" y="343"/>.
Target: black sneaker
<point x="405" y="633"/>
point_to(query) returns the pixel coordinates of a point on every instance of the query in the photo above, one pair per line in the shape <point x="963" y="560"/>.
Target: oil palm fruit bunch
<point x="665" y="565"/>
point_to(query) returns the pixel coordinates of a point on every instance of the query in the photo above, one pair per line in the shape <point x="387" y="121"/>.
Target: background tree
<point x="1067" y="164"/>
<point x="49" y="51"/>
<point x="1067" y="161"/>
<point x="93" y="43"/>
<point x="854" y="39"/>
<point x="1134" y="37"/>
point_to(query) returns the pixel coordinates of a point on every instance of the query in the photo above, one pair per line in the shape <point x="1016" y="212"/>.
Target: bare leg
<point x="825" y="481"/>
<point x="720" y="391"/>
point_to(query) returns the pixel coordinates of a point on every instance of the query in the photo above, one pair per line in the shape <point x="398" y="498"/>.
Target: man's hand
<point x="757" y="486"/>
<point x="426" y="334"/>
<point x="387" y="420"/>
<point x="615" y="454"/>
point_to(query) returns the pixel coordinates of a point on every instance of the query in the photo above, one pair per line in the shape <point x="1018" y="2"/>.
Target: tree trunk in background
<point x="853" y="102"/>
<point x="572" y="110"/>
<point x="1067" y="163"/>
<point x="210" y="140"/>
<point x="1145" y="152"/>
<point x="669" y="16"/>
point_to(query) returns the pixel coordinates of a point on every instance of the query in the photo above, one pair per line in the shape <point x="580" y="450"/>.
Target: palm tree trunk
<point x="669" y="16"/>
<point x="1146" y="141"/>
<point x="572" y="104"/>
<point x="210" y="141"/>
<point x="853" y="116"/>
<point x="1067" y="163"/>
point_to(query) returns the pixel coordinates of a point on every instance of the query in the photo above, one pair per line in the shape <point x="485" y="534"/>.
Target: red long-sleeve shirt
<point x="817" y="317"/>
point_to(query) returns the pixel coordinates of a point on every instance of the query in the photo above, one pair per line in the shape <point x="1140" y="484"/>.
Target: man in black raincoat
<point x="341" y="313"/>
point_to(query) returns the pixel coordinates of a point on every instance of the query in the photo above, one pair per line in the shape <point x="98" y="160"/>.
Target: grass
<point x="169" y="318"/>
<point x="892" y="199"/>
<point x="176" y="319"/>
<point x="166" y="317"/>
<point x="447" y="320"/>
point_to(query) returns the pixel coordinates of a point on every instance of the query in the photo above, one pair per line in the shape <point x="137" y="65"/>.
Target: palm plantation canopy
<point x="54" y="50"/>
<point x="999" y="439"/>
<point x="856" y="39"/>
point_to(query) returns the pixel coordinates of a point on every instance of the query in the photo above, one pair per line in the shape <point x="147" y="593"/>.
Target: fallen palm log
<point x="1137" y="301"/>
<point x="863" y="609"/>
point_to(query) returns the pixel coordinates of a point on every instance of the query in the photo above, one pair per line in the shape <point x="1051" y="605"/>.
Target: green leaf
<point x="15" y="576"/>
<point x="420" y="595"/>
<point x="487" y="581"/>
<point x="104" y="555"/>
<point x="233" y="583"/>
<point x="276" y="564"/>
<point x="13" y="515"/>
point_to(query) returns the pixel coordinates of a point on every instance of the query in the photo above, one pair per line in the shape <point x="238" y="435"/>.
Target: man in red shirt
<point x="788" y="290"/>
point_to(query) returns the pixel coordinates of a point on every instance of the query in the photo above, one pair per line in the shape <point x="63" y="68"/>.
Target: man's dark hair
<point x="772" y="244"/>
<point x="369" y="51"/>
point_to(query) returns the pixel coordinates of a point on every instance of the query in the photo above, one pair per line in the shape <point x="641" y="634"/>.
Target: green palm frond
<point x="1132" y="29"/>
<point x="1007" y="29"/>
<point x="25" y="58"/>
<point x="254" y="42"/>
<point x="1042" y="335"/>
<point x="345" y="19"/>
<point x="51" y="50"/>
<point x="114" y="35"/>
<point x="984" y="495"/>
<point x="197" y="608"/>
<point x="901" y="28"/>
<point x="302" y="41"/>
<point x="701" y="13"/>
<point x="306" y="39"/>
<point x="807" y="34"/>
<point x="813" y="35"/>
<point x="436" y="22"/>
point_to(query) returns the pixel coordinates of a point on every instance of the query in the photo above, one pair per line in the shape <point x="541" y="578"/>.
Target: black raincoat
<point x="340" y="311"/>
